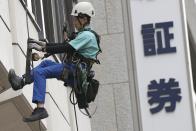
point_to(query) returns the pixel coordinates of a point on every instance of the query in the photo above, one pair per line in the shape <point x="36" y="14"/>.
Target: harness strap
<point x="98" y="42"/>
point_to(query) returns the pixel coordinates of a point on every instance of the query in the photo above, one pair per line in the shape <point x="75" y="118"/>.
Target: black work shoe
<point x="37" y="114"/>
<point x="15" y="81"/>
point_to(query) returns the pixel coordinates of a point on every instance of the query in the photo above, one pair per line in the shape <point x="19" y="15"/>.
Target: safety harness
<point x="85" y="86"/>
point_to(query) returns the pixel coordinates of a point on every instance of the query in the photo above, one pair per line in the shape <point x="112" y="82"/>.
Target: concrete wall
<point x="191" y="20"/>
<point x="113" y="100"/>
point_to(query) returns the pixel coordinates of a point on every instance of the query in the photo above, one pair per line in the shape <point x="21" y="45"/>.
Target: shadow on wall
<point x="193" y="56"/>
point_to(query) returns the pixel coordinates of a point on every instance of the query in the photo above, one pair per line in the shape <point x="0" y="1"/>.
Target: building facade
<point x="21" y="19"/>
<point x="116" y="98"/>
<point x="44" y="19"/>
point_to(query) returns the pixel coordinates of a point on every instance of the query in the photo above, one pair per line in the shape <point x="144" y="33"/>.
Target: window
<point x="37" y="10"/>
<point x="56" y="13"/>
<point x="51" y="16"/>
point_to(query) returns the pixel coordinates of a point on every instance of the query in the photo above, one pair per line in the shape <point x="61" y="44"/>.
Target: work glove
<point x="37" y="45"/>
<point x="40" y="43"/>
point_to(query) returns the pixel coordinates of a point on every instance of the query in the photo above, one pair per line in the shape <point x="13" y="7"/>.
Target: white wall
<point x="5" y="39"/>
<point x="15" y="16"/>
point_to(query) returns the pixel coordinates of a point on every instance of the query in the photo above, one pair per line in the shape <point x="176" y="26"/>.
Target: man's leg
<point x="18" y="82"/>
<point x="40" y="76"/>
<point x="53" y="70"/>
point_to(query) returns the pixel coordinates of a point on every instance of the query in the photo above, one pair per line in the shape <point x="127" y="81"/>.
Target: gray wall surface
<point x="113" y="100"/>
<point x="115" y="103"/>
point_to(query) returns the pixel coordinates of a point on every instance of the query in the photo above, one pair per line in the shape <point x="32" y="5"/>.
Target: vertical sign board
<point x="162" y="65"/>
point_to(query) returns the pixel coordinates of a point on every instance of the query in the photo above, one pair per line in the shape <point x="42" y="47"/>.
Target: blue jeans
<point x="45" y="70"/>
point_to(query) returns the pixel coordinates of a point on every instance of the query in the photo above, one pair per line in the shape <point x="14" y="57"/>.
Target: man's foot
<point x="37" y="114"/>
<point x="15" y="81"/>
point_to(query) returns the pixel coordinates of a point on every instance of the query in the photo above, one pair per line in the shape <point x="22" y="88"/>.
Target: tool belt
<point x="84" y="86"/>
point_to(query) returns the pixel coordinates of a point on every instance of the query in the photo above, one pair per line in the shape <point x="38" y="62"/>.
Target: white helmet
<point x="83" y="8"/>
